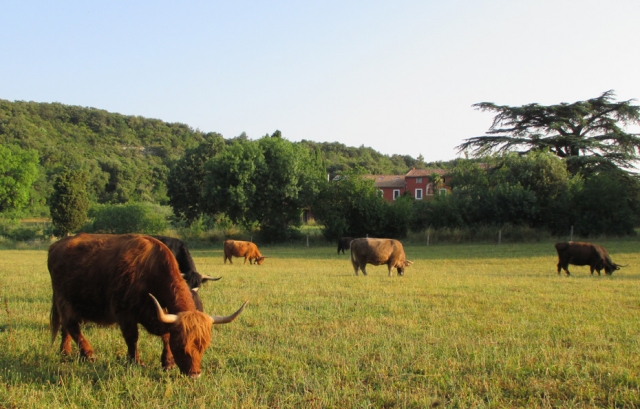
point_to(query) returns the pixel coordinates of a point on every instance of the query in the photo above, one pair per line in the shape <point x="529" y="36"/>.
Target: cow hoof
<point x="88" y="358"/>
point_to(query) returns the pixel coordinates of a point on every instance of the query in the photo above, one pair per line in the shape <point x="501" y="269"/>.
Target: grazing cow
<point x="377" y="252"/>
<point x="585" y="254"/>
<point x="127" y="280"/>
<point x="246" y="249"/>
<point x="344" y="243"/>
<point x="187" y="267"/>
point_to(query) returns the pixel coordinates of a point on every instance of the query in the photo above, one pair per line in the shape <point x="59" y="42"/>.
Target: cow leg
<point x="72" y="329"/>
<point x="65" y="345"/>
<point x="167" y="356"/>
<point x="129" y="329"/>
<point x="559" y="268"/>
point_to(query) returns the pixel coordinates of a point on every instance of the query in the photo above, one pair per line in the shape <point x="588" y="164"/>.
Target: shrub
<point x="128" y="218"/>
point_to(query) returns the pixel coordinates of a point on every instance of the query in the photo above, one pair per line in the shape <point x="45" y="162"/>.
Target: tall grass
<point x="467" y="326"/>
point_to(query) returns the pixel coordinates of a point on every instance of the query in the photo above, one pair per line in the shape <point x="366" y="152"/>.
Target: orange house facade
<point x="417" y="182"/>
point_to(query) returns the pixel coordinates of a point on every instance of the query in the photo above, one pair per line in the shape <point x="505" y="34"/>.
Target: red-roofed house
<point x="420" y="185"/>
<point x="390" y="186"/>
<point x="417" y="182"/>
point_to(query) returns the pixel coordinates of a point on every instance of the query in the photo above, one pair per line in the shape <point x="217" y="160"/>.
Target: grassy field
<point x="467" y="326"/>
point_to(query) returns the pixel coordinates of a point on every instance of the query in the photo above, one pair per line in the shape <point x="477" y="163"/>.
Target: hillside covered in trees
<point x="128" y="158"/>
<point x="85" y="168"/>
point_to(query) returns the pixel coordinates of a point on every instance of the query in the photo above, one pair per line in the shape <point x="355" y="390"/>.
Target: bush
<point x="128" y="218"/>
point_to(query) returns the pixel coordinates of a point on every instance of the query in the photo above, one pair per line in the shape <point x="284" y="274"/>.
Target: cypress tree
<point x="69" y="202"/>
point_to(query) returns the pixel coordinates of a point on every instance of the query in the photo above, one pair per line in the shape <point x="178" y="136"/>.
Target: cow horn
<point x="207" y="278"/>
<point x="228" y="318"/>
<point x="162" y="316"/>
<point x="408" y="263"/>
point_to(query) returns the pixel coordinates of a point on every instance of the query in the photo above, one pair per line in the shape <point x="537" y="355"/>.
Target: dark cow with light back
<point x="377" y="252"/>
<point x="239" y="248"/>
<point x="584" y="254"/>
<point x="344" y="243"/>
<point x="187" y="267"/>
<point x="127" y="280"/>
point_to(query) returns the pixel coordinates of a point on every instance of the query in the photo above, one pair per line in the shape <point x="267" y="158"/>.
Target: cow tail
<point x="54" y="321"/>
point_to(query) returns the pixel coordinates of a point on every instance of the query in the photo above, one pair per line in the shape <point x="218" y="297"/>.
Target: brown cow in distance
<point x="378" y="252"/>
<point x="246" y="249"/>
<point x="584" y="254"/>
<point x="127" y="280"/>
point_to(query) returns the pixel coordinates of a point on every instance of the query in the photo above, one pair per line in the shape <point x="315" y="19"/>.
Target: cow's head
<point x="401" y="268"/>
<point x="610" y="267"/>
<point x="260" y="259"/>
<point x="190" y="335"/>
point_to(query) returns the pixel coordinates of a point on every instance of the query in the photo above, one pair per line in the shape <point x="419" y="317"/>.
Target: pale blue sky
<point x="398" y="76"/>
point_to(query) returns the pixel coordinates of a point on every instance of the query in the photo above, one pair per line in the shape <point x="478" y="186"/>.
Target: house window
<point x="419" y="180"/>
<point x="380" y="192"/>
<point x="419" y="194"/>
<point x="442" y="192"/>
<point x="396" y="193"/>
<point x="429" y="189"/>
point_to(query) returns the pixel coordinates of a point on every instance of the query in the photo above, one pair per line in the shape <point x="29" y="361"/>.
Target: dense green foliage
<point x="127" y="218"/>
<point x="352" y="206"/>
<point x="342" y="159"/>
<point x="185" y="183"/>
<point x="534" y="190"/>
<point x="265" y="183"/>
<point x="129" y="158"/>
<point x="126" y="158"/>
<point x="69" y="202"/>
<point x="18" y="172"/>
<point x="586" y="134"/>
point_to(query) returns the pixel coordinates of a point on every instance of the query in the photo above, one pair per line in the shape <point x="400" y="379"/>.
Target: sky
<point x="397" y="76"/>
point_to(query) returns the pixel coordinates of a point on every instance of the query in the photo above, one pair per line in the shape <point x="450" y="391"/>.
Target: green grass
<point x="467" y="326"/>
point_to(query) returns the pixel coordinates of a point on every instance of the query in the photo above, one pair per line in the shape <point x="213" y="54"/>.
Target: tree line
<point x="546" y="167"/>
<point x="123" y="158"/>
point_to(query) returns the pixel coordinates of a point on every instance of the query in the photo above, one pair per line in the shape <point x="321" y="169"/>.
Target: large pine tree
<point x="584" y="133"/>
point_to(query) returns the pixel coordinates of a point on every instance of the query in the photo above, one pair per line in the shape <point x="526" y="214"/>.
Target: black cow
<point x="344" y="243"/>
<point x="585" y="254"/>
<point x="187" y="267"/>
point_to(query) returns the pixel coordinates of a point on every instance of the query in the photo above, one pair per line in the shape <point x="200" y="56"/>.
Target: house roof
<point x="418" y="173"/>
<point x="387" y="180"/>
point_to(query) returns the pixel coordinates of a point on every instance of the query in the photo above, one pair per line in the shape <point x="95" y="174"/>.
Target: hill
<point x="127" y="158"/>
